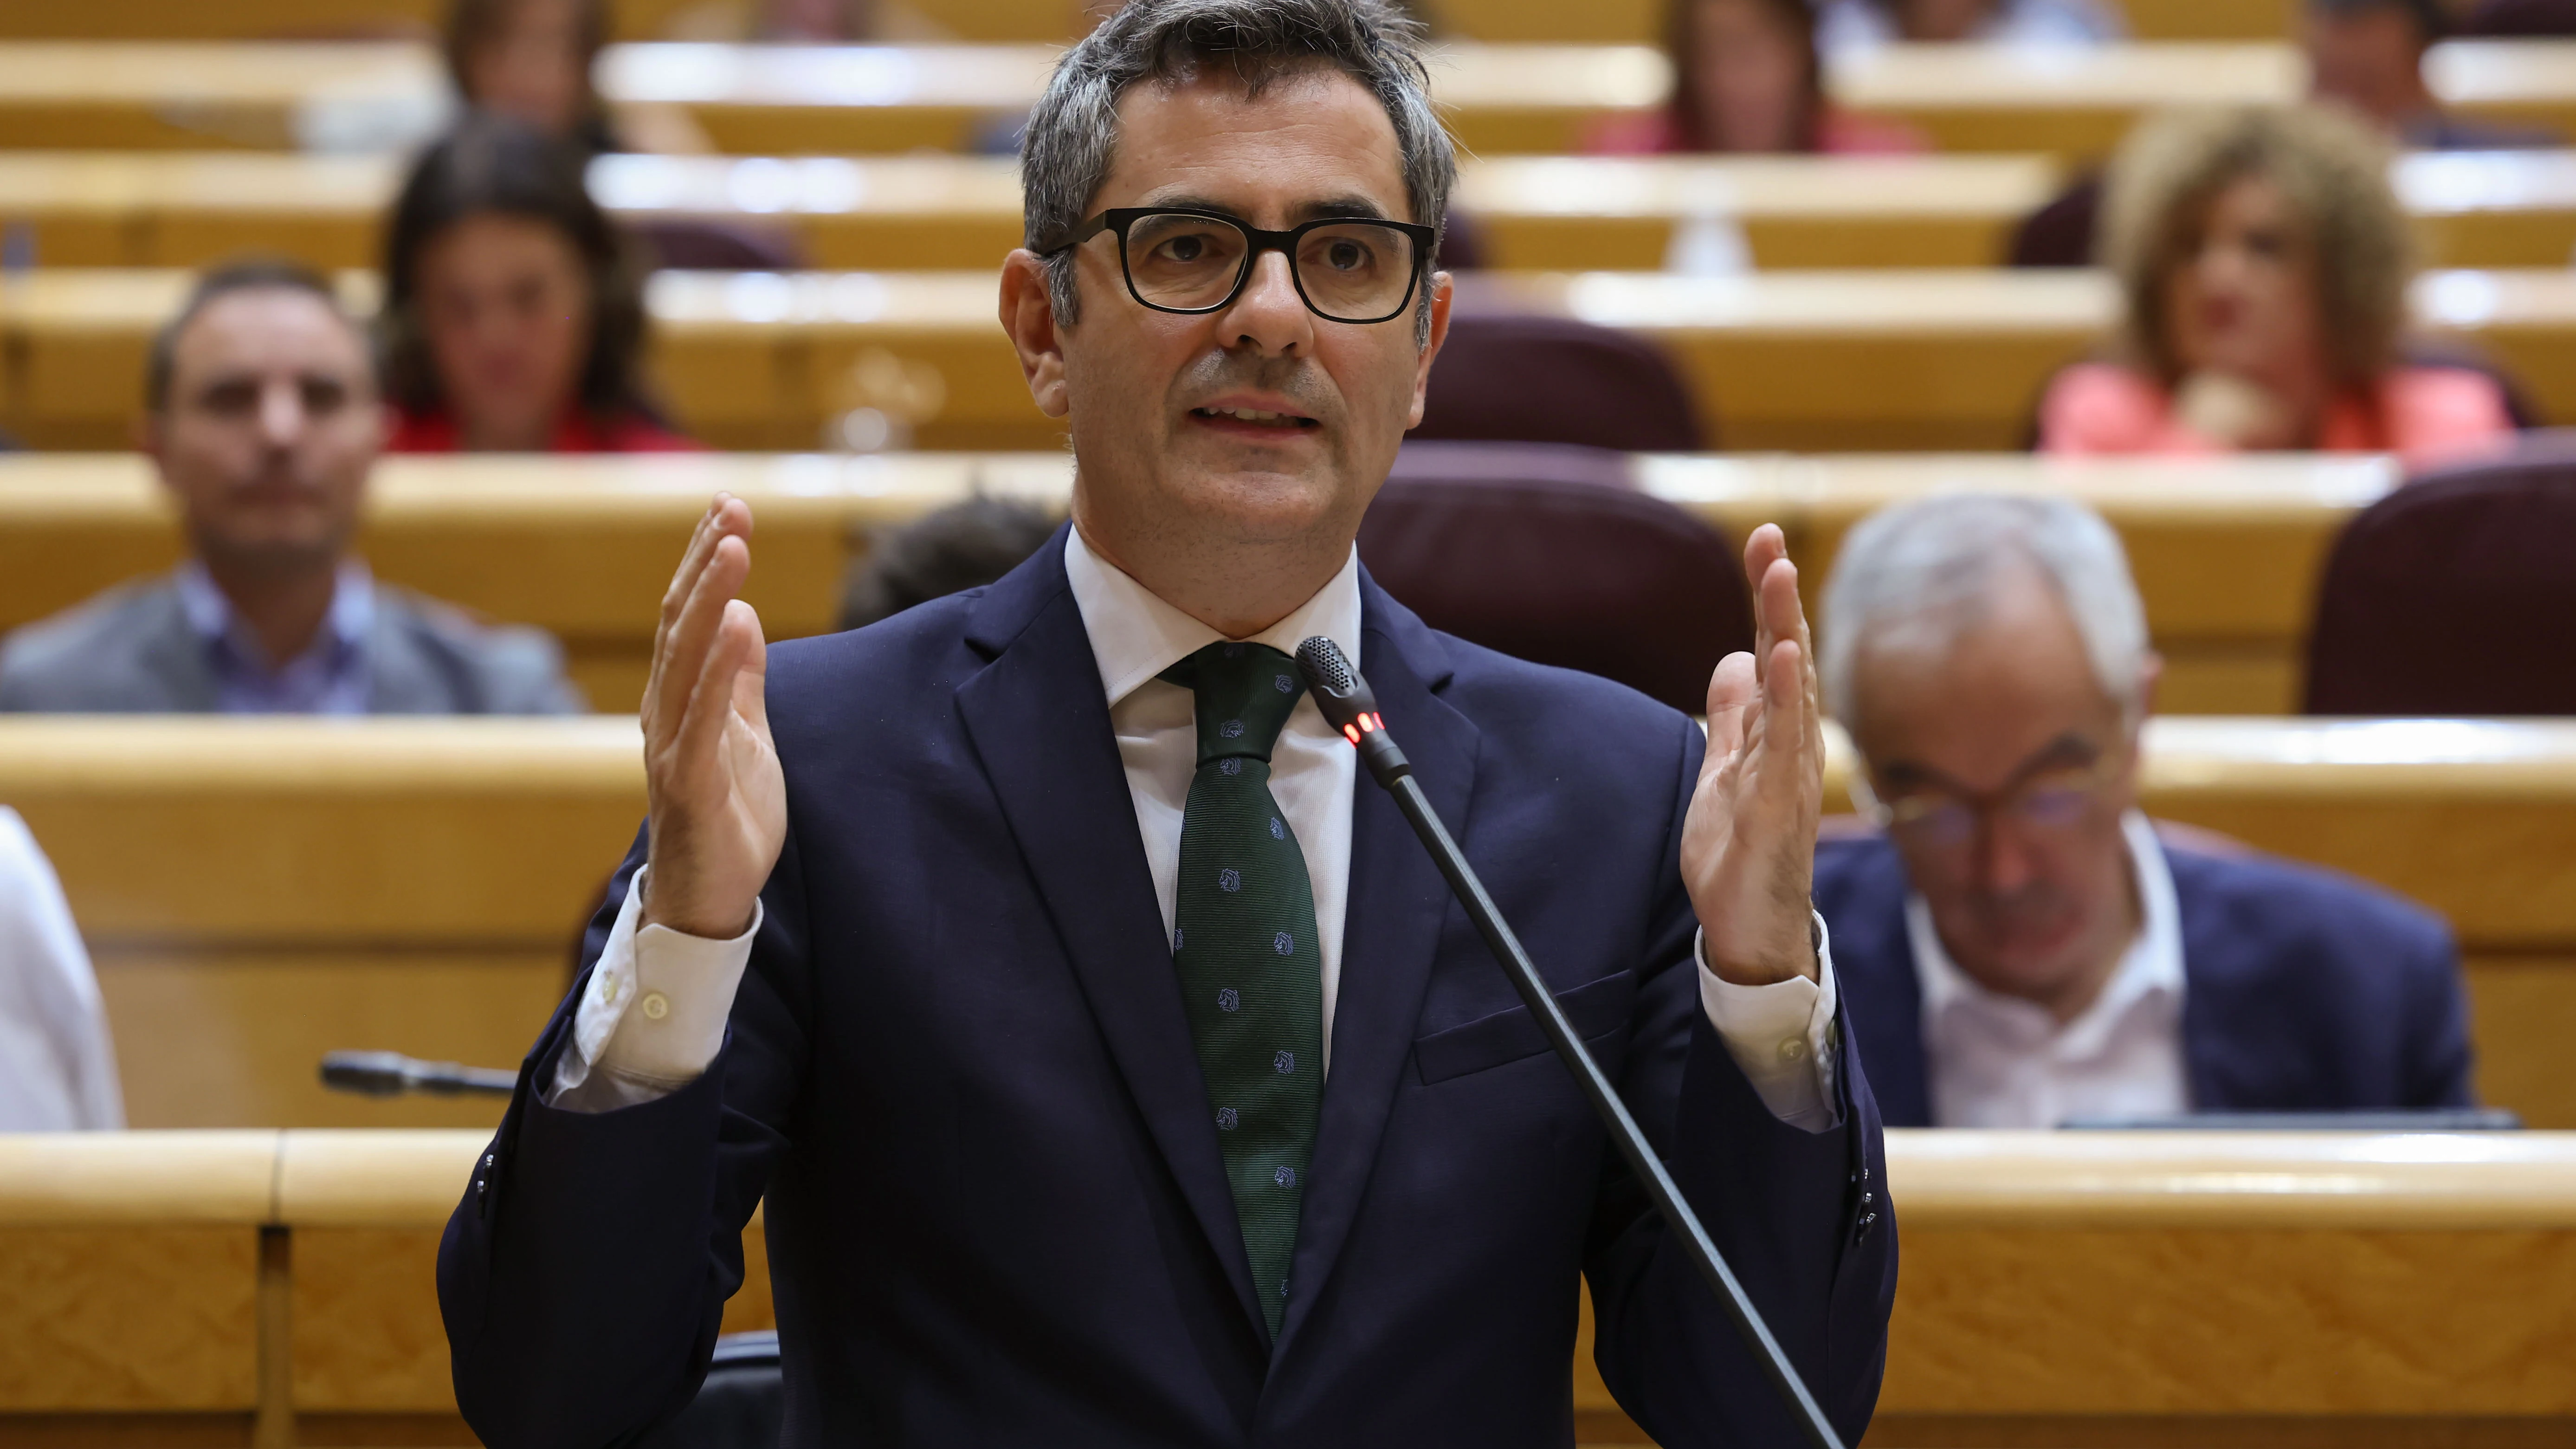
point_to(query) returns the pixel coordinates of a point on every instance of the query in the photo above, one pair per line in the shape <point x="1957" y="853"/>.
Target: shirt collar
<point x="1135" y="635"/>
<point x="2151" y="969"/>
<point x="210" y="614"/>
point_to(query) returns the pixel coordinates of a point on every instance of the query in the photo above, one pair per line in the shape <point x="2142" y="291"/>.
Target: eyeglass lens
<point x="1349" y="271"/>
<point x="2051" y="803"/>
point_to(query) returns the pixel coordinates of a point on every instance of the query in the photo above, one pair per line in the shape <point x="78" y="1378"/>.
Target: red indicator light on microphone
<point x="1353" y="731"/>
<point x="1367" y="725"/>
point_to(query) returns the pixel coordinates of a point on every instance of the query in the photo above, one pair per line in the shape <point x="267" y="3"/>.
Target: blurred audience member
<point x="57" y="1069"/>
<point x="532" y="60"/>
<point x="1746" y="79"/>
<point x="962" y="546"/>
<point x="2368" y="56"/>
<point x="514" y="310"/>
<point x="263" y="420"/>
<point x="2020" y="946"/>
<point x="2263" y="267"/>
<point x="1848" y="27"/>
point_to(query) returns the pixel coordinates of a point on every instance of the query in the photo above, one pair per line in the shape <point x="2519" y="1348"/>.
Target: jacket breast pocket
<point x="1596" y="1008"/>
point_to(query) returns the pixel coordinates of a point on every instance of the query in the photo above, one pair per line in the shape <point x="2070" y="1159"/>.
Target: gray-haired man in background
<point x="2020" y="945"/>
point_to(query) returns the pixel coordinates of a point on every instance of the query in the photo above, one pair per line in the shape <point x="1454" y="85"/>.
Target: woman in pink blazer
<point x="2263" y="264"/>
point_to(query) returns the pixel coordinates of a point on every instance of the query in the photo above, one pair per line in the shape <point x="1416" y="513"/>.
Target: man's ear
<point x="2151" y="672"/>
<point x="1028" y="315"/>
<point x="1440" y="295"/>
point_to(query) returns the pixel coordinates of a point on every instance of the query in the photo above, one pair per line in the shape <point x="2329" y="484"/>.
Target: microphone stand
<point x="1349" y="706"/>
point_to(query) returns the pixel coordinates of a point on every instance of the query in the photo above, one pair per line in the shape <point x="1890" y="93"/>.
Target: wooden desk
<point x="152" y="209"/>
<point x="2078" y="103"/>
<point x="2251" y="1273"/>
<point x="2226" y="553"/>
<point x="132" y="1266"/>
<point x="1895" y="360"/>
<point x="258" y="892"/>
<point x="1856" y="361"/>
<point x="1622" y="21"/>
<point x="168" y="209"/>
<point x="761" y="100"/>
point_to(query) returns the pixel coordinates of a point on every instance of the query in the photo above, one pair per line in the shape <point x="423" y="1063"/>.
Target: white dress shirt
<point x="57" y="1071"/>
<point x="2001" y="1061"/>
<point x="1778" y="1033"/>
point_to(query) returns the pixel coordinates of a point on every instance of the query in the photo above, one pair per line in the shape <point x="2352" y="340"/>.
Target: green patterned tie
<point x="1244" y="945"/>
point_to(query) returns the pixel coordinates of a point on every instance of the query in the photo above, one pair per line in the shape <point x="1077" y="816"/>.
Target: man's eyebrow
<point x="2068" y="748"/>
<point x="1349" y="205"/>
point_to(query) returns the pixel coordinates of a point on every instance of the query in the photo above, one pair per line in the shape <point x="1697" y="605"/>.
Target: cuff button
<point x="656" y="1006"/>
<point x="1792" y="1049"/>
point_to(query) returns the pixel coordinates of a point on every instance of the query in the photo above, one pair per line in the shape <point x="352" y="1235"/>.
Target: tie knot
<point x="1245" y="694"/>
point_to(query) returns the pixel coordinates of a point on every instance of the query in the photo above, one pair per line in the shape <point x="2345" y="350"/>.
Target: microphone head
<point x="1339" y="690"/>
<point x="369" y="1074"/>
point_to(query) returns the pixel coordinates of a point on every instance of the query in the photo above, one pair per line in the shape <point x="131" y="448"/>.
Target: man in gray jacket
<point x="262" y="417"/>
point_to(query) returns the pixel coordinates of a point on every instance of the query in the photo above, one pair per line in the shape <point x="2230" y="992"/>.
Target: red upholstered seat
<point x="1549" y="553"/>
<point x="1503" y="377"/>
<point x="2456" y="595"/>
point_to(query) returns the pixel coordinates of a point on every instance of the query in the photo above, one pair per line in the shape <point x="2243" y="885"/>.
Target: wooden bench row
<point x="1633" y="21"/>
<point x="172" y="209"/>
<point x="2073" y="1288"/>
<point x="258" y="892"/>
<point x="2227" y="553"/>
<point x="1851" y="361"/>
<point x="1500" y="98"/>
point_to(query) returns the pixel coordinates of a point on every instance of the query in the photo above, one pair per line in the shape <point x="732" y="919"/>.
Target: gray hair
<point x="1914" y="575"/>
<point x="1073" y="130"/>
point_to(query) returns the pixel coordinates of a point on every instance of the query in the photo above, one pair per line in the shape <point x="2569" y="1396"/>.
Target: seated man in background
<point x="263" y="419"/>
<point x="945" y="551"/>
<point x="57" y="1070"/>
<point x="2368" y="55"/>
<point x="2020" y="947"/>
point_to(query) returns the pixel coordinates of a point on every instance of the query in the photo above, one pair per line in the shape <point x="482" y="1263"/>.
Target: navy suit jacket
<point x="2303" y="991"/>
<point x="958" y="1069"/>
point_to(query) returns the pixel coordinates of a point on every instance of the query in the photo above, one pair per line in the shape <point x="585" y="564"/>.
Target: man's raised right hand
<point x="717" y="798"/>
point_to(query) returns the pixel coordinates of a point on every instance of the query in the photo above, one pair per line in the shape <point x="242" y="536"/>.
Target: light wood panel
<point x="2472" y="819"/>
<point x="2226" y="552"/>
<point x="1502" y="98"/>
<point x="87" y="209"/>
<point x="750" y="99"/>
<point x="1873" y="360"/>
<point x="255" y="895"/>
<point x="1632" y="21"/>
<point x="130" y="1265"/>
<point x="2073" y="1288"/>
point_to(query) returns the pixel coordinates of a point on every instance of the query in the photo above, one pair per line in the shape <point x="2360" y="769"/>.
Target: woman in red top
<point x="2264" y="264"/>
<point x="1746" y="78"/>
<point x="514" y="315"/>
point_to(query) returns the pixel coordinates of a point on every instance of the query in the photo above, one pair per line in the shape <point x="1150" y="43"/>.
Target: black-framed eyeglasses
<point x="1189" y="260"/>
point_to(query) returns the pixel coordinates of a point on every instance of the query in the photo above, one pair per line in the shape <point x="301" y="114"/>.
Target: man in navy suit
<point x="2020" y="946"/>
<point x="1114" y="1067"/>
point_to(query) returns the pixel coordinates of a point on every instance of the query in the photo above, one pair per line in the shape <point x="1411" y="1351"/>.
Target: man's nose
<point x="1269" y="316"/>
<point x="2003" y="860"/>
<point x="281" y="414"/>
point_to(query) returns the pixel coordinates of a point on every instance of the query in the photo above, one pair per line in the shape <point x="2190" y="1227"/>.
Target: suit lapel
<point x="174" y="658"/>
<point x="1391" y="930"/>
<point x="1040" y="725"/>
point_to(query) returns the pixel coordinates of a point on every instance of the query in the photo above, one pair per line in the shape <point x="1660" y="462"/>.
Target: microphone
<point x="391" y="1074"/>
<point x="1350" y="707"/>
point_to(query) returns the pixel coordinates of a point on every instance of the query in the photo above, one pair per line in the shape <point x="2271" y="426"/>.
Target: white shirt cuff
<point x="653" y="1015"/>
<point x="1782" y="1035"/>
